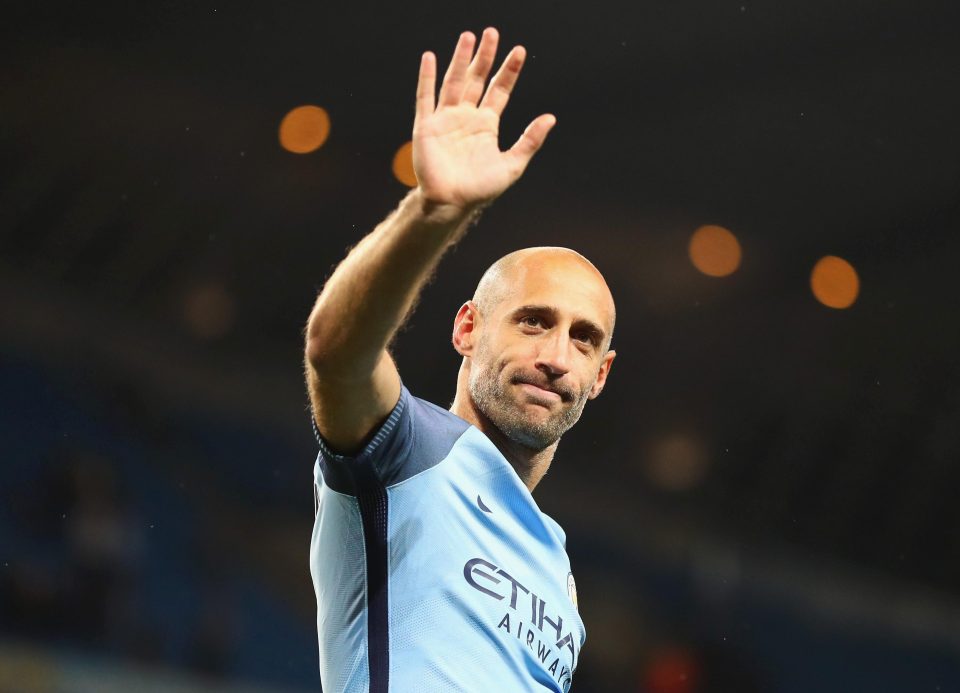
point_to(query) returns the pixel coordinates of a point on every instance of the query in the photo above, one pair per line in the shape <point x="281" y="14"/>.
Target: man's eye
<point x="531" y="321"/>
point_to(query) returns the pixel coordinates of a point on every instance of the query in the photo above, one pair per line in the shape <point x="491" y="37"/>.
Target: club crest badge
<point x="572" y="590"/>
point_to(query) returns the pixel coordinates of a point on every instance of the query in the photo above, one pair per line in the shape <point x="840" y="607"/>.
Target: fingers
<point x="532" y="139"/>
<point x="455" y="80"/>
<point x="426" y="84"/>
<point x="480" y="66"/>
<point x="498" y="93"/>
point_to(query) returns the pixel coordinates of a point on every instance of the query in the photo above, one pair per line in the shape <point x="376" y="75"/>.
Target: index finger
<point x="426" y="85"/>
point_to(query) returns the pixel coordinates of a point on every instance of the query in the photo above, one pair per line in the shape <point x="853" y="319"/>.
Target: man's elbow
<point x="322" y="357"/>
<point x="333" y="350"/>
<point x="321" y="341"/>
<point x="329" y="358"/>
<point x="314" y="354"/>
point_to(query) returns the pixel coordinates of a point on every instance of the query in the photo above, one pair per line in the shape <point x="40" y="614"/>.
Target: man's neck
<point x="531" y="465"/>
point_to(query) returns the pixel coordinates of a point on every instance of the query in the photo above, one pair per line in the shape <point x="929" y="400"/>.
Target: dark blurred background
<point x="764" y="498"/>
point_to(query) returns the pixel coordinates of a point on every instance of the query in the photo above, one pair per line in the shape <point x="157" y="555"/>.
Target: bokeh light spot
<point x="672" y="670"/>
<point x="304" y="129"/>
<point x="403" y="165"/>
<point x="209" y="310"/>
<point x="714" y="251"/>
<point x="676" y="463"/>
<point x="834" y="282"/>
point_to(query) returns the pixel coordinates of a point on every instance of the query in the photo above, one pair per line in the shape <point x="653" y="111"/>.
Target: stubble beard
<point x="491" y="393"/>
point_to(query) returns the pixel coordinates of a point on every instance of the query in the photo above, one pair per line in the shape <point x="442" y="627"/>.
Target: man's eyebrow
<point x="534" y="308"/>
<point x="593" y="328"/>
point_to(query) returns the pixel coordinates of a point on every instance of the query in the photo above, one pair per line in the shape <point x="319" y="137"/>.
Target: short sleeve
<point x="415" y="436"/>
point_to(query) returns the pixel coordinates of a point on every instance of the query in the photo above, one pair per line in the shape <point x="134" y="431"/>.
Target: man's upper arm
<point x="348" y="408"/>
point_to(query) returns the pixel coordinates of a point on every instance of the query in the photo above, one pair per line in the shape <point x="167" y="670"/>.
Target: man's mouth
<point x="543" y="391"/>
<point x="539" y="392"/>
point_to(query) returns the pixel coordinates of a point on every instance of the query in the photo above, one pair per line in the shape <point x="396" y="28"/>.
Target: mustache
<point x="566" y="394"/>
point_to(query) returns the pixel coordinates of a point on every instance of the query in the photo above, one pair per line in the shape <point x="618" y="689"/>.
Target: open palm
<point x="456" y="154"/>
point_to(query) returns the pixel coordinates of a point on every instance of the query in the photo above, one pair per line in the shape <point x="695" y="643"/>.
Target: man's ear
<point x="465" y="328"/>
<point x="603" y="373"/>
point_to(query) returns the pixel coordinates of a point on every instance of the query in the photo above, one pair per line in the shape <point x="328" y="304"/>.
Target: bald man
<point x="434" y="568"/>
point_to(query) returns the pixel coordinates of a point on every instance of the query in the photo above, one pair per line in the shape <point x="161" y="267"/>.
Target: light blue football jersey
<point x="434" y="569"/>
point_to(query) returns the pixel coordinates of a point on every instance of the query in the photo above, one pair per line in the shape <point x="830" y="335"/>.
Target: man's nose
<point x="554" y="356"/>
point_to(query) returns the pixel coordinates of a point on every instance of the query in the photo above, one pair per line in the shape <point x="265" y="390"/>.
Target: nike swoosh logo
<point x="483" y="507"/>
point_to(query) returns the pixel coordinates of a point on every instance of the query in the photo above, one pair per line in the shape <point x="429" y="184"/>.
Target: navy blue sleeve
<point x="415" y="436"/>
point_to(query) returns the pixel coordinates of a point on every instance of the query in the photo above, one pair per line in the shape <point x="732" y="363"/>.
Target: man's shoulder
<point x="423" y="436"/>
<point x="425" y="413"/>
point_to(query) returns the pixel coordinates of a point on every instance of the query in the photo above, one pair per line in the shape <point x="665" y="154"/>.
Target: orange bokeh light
<point x="671" y="670"/>
<point x="209" y="310"/>
<point x="714" y="251"/>
<point x="403" y="165"/>
<point x="834" y="282"/>
<point x="304" y="129"/>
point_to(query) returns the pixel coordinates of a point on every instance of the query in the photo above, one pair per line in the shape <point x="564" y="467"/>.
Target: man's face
<point x="541" y="353"/>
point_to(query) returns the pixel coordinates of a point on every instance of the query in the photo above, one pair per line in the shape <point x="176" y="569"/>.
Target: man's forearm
<point x="371" y="292"/>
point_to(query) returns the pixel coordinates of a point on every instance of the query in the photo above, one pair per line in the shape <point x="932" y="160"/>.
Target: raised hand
<point x="456" y="154"/>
